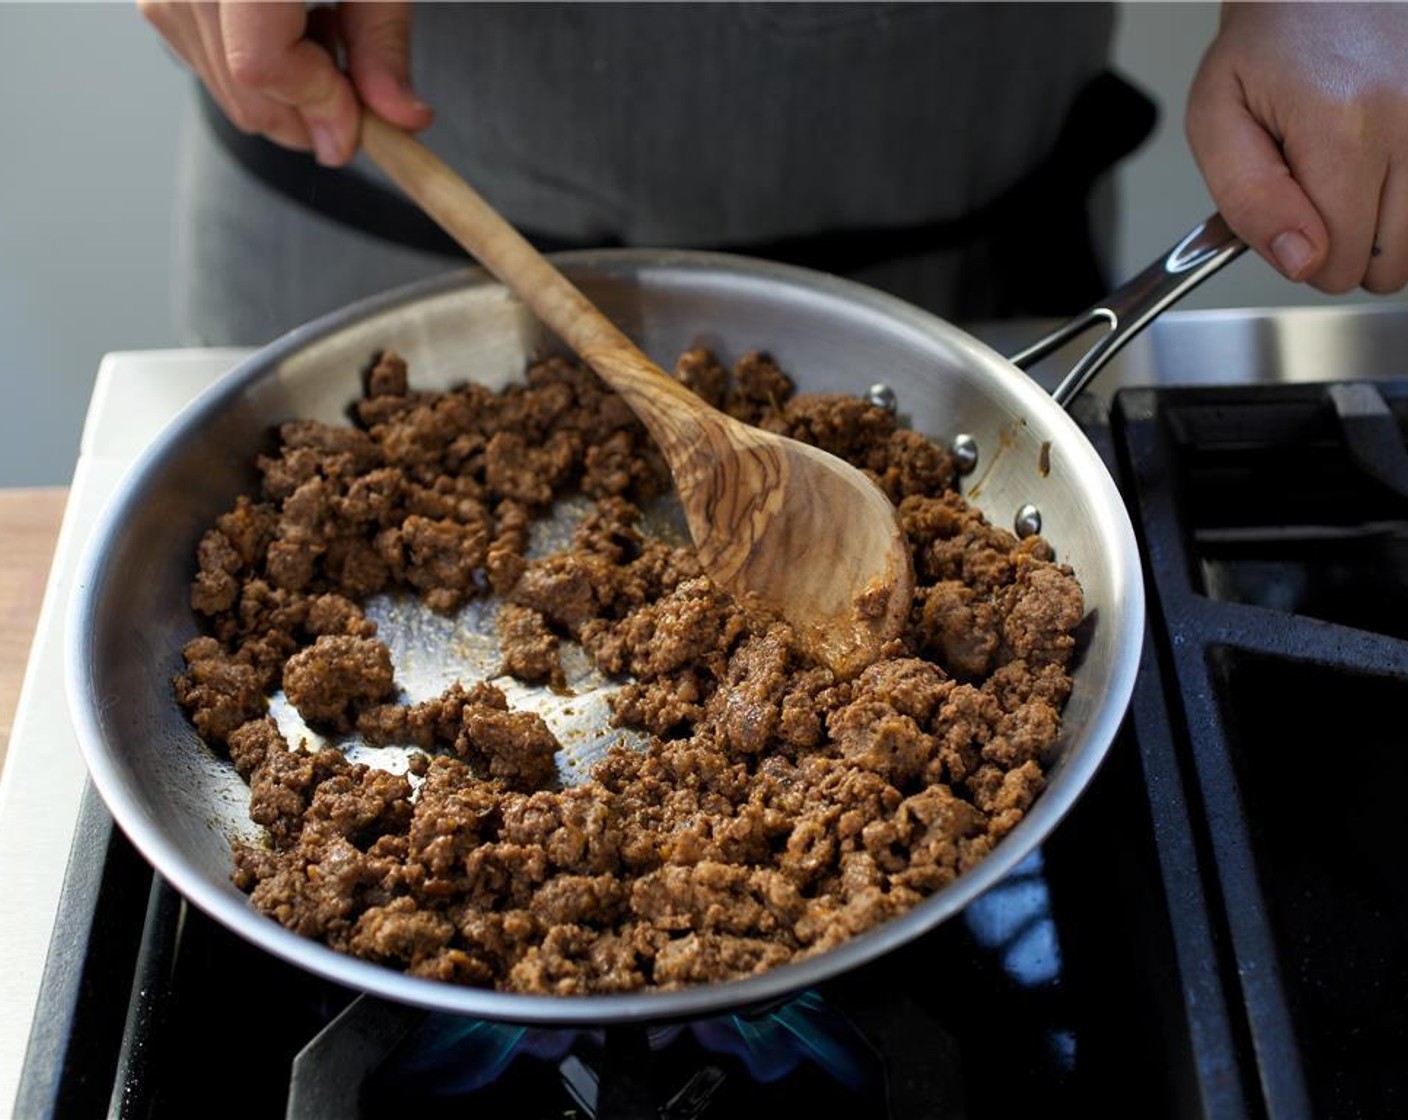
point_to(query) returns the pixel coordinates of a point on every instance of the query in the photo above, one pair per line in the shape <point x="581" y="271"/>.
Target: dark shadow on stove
<point x="1322" y="762"/>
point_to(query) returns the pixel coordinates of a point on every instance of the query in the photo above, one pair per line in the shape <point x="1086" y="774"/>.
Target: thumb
<point x="1250" y="182"/>
<point x="377" y="37"/>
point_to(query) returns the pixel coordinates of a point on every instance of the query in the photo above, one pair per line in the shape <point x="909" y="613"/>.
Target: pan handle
<point x="1129" y="308"/>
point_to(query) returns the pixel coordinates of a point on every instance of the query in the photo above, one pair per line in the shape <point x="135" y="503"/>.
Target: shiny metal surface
<point x="881" y="396"/>
<point x="1360" y="340"/>
<point x="1126" y="311"/>
<point x="432" y="651"/>
<point x="964" y="450"/>
<point x="182" y="805"/>
<point x="1027" y="523"/>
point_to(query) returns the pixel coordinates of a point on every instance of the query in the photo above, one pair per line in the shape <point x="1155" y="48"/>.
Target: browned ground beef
<point x="777" y="811"/>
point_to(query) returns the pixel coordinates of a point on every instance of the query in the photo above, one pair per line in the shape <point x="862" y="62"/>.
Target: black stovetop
<point x="1219" y="928"/>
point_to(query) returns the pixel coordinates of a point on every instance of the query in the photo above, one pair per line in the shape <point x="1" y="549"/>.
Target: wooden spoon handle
<point x="773" y="521"/>
<point x="462" y="212"/>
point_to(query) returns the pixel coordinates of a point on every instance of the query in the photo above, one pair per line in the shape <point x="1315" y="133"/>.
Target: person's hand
<point x="272" y="67"/>
<point x="1298" y="119"/>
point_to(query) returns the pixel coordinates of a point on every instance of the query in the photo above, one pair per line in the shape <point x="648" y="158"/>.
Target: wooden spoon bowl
<point x="780" y="525"/>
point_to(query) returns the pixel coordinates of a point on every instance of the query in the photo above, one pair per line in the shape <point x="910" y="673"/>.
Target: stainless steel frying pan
<point x="182" y="805"/>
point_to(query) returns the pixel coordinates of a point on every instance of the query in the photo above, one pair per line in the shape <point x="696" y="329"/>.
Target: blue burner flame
<point x="1015" y="919"/>
<point x="775" y="1043"/>
<point x="446" y="1055"/>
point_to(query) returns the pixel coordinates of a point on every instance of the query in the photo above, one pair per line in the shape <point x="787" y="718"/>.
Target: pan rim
<point x="233" y="910"/>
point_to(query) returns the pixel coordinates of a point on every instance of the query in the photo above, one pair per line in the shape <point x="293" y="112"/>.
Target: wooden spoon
<point x="778" y="524"/>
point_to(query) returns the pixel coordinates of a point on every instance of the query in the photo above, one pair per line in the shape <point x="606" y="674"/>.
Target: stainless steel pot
<point x="182" y="805"/>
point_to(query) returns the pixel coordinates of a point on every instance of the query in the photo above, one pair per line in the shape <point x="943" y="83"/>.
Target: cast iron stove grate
<point x="1274" y="524"/>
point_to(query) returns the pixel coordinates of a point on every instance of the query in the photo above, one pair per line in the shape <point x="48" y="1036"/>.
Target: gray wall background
<point x="89" y="104"/>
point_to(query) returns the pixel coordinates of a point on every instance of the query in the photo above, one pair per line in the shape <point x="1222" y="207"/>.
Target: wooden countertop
<point x="29" y="528"/>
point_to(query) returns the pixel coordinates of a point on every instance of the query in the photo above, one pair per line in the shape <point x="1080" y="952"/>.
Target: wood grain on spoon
<point x="777" y="523"/>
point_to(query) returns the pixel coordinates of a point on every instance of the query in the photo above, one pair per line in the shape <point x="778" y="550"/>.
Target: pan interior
<point x="432" y="651"/>
<point x="184" y="806"/>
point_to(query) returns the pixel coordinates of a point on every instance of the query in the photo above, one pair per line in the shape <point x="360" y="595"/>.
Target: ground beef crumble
<point x="777" y="812"/>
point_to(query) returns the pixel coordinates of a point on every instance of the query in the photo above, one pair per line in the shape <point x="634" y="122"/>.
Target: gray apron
<point x="743" y="127"/>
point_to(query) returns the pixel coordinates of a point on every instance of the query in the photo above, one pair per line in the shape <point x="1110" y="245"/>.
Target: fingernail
<point x="1293" y="253"/>
<point x="324" y="144"/>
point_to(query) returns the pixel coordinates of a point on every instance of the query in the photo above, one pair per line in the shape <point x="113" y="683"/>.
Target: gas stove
<point x="1219" y="928"/>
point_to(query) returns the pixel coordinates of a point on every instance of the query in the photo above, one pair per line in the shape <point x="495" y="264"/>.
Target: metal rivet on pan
<point x="965" y="452"/>
<point x="881" y="396"/>
<point x="1027" y="523"/>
